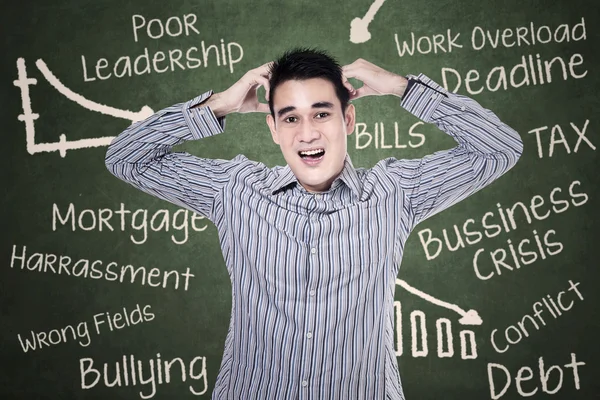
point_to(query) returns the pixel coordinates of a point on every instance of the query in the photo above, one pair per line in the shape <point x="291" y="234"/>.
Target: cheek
<point x="338" y="140"/>
<point x="286" y="141"/>
<point x="287" y="145"/>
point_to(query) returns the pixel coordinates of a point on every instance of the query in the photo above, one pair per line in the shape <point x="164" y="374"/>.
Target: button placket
<point x="310" y="312"/>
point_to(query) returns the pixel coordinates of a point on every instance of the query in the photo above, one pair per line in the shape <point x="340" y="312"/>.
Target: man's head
<point x="310" y="115"/>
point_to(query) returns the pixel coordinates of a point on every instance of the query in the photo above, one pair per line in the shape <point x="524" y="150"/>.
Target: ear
<point x="350" y="118"/>
<point x="271" y="123"/>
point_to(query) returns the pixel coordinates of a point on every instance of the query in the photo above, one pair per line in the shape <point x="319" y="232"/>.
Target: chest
<point x="328" y="237"/>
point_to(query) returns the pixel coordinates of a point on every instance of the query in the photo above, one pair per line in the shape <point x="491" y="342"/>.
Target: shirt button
<point x="304" y="383"/>
<point x="313" y="250"/>
<point x="317" y="196"/>
<point x="434" y="96"/>
<point x="421" y="89"/>
<point x="309" y="335"/>
<point x="312" y="292"/>
<point x="463" y="108"/>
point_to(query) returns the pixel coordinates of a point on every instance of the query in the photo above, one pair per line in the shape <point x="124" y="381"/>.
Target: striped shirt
<point x="313" y="275"/>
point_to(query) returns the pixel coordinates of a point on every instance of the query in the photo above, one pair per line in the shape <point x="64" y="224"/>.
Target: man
<point x="313" y="248"/>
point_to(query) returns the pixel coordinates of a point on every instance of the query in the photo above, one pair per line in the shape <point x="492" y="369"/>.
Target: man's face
<point x="311" y="130"/>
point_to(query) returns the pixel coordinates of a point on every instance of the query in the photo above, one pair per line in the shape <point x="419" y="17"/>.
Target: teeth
<point x="312" y="152"/>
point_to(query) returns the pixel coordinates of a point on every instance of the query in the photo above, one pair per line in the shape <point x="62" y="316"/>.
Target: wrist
<point x="217" y="105"/>
<point x="399" y="86"/>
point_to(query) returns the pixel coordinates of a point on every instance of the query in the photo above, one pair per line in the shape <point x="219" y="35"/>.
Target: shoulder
<point x="378" y="180"/>
<point x="245" y="166"/>
<point x="253" y="172"/>
<point x="397" y="174"/>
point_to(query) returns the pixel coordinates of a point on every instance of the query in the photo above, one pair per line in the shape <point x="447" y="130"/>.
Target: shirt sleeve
<point x="487" y="148"/>
<point x="142" y="156"/>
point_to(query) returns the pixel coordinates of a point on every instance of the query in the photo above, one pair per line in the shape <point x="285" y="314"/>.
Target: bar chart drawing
<point x="417" y="329"/>
<point x="444" y="336"/>
<point x="23" y="82"/>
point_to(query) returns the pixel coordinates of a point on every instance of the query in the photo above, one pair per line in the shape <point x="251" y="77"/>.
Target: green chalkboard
<point x="77" y="73"/>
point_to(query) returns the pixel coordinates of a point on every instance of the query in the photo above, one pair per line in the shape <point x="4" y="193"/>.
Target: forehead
<point x="302" y="93"/>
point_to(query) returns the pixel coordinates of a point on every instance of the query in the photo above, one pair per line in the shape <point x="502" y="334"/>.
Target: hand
<point x="242" y="96"/>
<point x="376" y="81"/>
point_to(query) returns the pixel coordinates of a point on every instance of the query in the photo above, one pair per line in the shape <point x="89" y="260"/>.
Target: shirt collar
<point x="348" y="176"/>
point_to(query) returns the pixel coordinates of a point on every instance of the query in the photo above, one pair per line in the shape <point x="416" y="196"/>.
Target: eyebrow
<point x="319" y="104"/>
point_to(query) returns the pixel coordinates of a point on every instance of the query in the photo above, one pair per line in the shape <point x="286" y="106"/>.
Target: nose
<point x="307" y="132"/>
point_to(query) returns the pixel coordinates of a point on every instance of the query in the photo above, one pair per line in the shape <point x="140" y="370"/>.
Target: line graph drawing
<point x="144" y="113"/>
<point x="359" y="27"/>
<point x="28" y="116"/>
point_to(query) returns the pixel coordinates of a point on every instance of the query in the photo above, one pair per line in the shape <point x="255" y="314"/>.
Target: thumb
<point x="362" y="91"/>
<point x="263" y="108"/>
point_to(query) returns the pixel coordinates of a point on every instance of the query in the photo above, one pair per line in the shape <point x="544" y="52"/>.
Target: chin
<point x="320" y="175"/>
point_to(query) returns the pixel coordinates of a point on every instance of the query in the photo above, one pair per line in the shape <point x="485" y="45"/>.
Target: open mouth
<point x="312" y="155"/>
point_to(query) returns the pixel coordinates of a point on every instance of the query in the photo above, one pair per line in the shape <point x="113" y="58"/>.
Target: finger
<point x="362" y="92"/>
<point x="262" y="75"/>
<point x="352" y="70"/>
<point x="346" y="68"/>
<point x="361" y="70"/>
<point x="254" y="75"/>
<point x="264" y="82"/>
<point x="347" y="72"/>
<point x="352" y="93"/>
<point x="267" y="66"/>
<point x="357" y="94"/>
<point x="264" y="70"/>
<point x="348" y="86"/>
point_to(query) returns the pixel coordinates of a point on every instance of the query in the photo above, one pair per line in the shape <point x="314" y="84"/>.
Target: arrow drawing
<point x="28" y="117"/>
<point x="359" y="27"/>
<point x="470" y="317"/>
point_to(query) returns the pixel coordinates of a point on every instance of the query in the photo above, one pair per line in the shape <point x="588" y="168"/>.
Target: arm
<point x="486" y="147"/>
<point x="142" y="155"/>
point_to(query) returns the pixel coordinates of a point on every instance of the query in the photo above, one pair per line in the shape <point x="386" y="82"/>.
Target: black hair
<point x="306" y="63"/>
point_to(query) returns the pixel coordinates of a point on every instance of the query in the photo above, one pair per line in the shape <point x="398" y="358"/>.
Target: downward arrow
<point x="470" y="317"/>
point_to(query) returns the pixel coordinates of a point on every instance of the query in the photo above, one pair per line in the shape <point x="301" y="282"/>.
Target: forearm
<point x="142" y="156"/>
<point x="477" y="130"/>
<point x="147" y="142"/>
<point x="217" y="104"/>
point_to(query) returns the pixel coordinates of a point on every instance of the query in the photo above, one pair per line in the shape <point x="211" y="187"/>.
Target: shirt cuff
<point x="409" y="86"/>
<point x="422" y="96"/>
<point x="201" y="121"/>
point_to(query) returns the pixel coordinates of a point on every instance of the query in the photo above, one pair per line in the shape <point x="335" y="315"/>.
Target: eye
<point x="322" y="115"/>
<point x="290" y="119"/>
